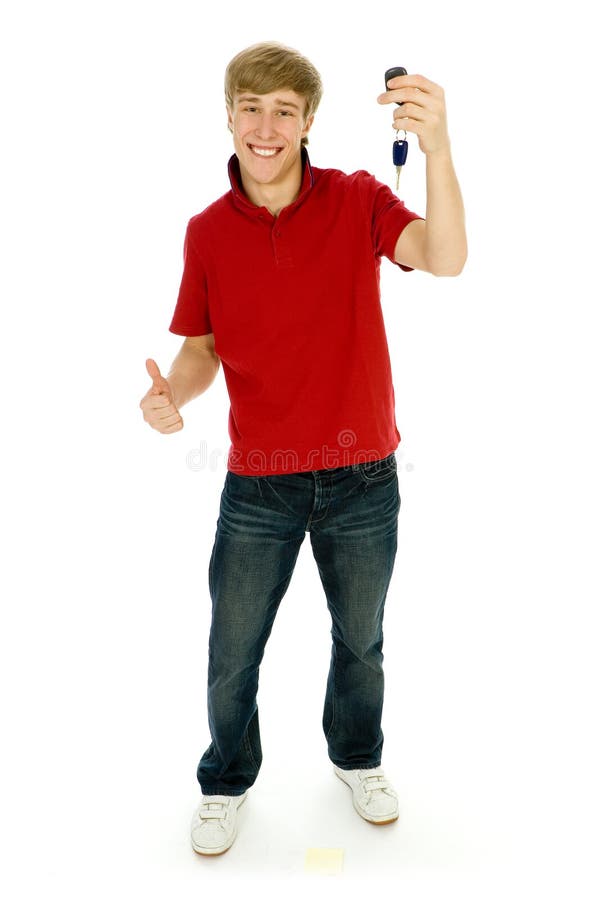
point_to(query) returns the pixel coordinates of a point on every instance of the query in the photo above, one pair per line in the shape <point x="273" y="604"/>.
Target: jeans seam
<point x="249" y="750"/>
<point x="389" y="471"/>
<point x="281" y="500"/>
<point x="211" y="573"/>
<point x="333" y="692"/>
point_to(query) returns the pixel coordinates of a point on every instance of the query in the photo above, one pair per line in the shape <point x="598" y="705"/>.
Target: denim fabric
<point x="351" y="514"/>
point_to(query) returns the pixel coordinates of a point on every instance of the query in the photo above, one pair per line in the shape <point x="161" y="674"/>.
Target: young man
<point x="281" y="285"/>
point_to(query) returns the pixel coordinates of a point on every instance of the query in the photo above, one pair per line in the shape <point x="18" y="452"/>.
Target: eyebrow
<point x="245" y="99"/>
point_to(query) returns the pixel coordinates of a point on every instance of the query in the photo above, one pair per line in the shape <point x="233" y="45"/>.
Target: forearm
<point x="192" y="372"/>
<point x="445" y="235"/>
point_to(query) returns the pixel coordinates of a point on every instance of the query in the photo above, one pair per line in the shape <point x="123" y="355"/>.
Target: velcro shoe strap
<point x="375" y="783"/>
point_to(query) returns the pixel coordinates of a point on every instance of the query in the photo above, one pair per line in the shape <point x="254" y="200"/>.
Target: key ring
<point x="398" y="130"/>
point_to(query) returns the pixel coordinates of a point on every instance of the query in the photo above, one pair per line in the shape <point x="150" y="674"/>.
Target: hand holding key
<point x="421" y="110"/>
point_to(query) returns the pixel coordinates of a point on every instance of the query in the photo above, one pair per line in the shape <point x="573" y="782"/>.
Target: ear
<point x="229" y="119"/>
<point x="308" y="125"/>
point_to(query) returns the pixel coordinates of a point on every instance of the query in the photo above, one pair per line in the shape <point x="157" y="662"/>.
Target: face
<point x="267" y="134"/>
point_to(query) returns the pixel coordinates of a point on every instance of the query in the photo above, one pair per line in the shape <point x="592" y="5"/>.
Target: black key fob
<point x="393" y="73"/>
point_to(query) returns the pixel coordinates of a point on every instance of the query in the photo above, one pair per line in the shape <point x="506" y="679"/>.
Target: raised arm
<point x="438" y="244"/>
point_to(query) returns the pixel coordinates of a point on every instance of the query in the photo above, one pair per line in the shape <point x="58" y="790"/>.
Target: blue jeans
<point x="351" y="513"/>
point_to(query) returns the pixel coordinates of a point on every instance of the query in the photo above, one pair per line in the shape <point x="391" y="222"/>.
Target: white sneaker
<point x="372" y="795"/>
<point x="214" y="823"/>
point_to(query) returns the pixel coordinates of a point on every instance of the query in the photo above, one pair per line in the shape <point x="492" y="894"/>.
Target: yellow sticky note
<point x="324" y="860"/>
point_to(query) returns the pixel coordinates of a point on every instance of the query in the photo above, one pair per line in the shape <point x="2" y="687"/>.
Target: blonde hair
<point x="270" y="66"/>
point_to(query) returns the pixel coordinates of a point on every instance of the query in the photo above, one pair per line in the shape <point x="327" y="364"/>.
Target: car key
<point x="400" y="147"/>
<point x="400" y="152"/>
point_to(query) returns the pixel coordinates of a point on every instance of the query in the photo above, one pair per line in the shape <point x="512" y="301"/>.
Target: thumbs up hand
<point x="158" y="405"/>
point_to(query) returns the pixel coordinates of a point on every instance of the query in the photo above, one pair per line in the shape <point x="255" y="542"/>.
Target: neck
<point x="274" y="196"/>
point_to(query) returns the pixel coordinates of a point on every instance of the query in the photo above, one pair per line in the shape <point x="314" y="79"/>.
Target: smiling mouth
<point x="265" y="152"/>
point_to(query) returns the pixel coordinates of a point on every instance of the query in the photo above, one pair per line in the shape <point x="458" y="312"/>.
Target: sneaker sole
<point x="378" y="821"/>
<point x="218" y="851"/>
<point x="362" y="814"/>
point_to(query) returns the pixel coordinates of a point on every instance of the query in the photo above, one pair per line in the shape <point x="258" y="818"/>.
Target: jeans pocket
<point x="379" y="470"/>
<point x="242" y="486"/>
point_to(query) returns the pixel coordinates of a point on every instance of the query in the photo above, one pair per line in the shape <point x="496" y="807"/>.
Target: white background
<point x="114" y="134"/>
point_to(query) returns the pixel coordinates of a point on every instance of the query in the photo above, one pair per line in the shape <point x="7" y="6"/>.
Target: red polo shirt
<point x="294" y="306"/>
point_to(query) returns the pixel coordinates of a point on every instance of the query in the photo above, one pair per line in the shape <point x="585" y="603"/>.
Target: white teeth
<point x="262" y="152"/>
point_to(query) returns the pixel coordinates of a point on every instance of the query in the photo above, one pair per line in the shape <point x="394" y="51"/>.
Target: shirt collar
<point x="240" y="198"/>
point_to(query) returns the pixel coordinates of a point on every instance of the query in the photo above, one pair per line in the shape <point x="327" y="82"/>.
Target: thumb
<point x="160" y="385"/>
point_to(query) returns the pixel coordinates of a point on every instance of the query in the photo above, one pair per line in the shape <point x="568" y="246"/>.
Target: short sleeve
<point x="388" y="215"/>
<point x="191" y="317"/>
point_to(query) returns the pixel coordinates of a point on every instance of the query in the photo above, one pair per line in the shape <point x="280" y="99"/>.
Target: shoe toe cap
<point x="381" y="804"/>
<point x="208" y="836"/>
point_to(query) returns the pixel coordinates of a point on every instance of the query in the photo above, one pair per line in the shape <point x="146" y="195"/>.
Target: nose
<point x="265" y="127"/>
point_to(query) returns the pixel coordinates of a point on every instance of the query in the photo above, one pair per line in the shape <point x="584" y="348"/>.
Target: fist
<point x="157" y="404"/>
<point x="423" y="110"/>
